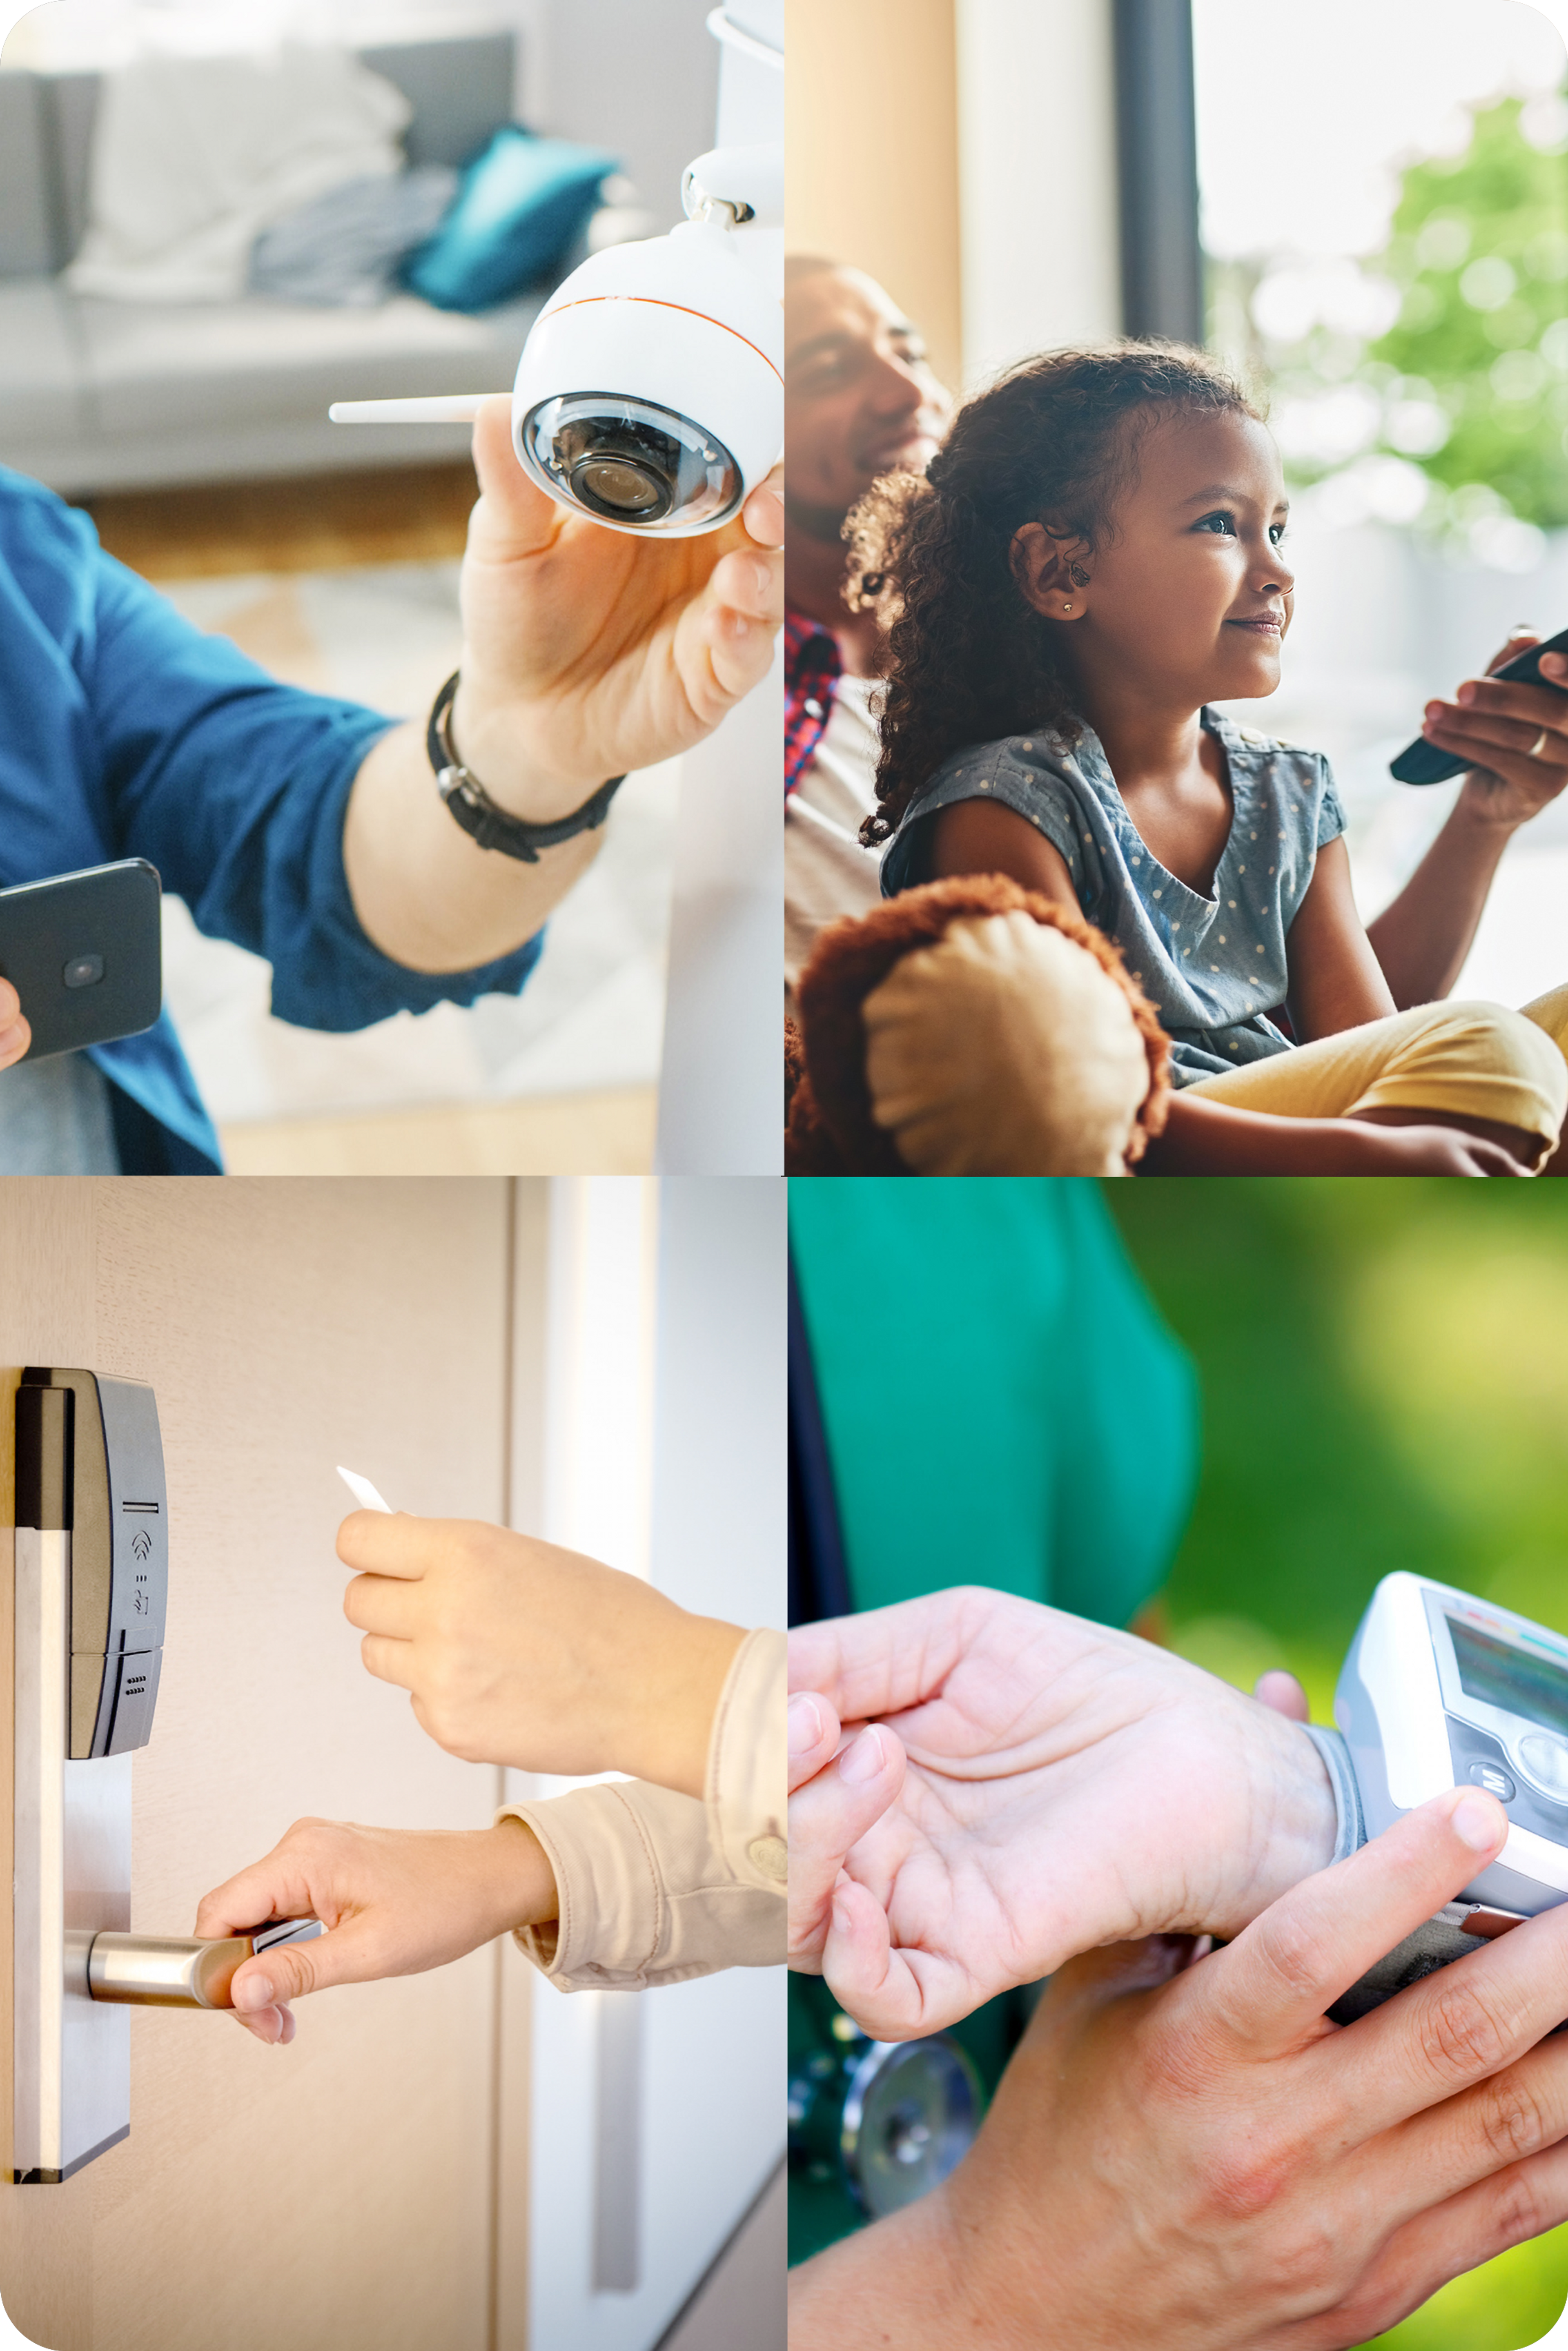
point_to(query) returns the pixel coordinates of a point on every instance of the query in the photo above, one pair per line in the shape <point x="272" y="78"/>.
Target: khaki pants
<point x="1470" y="1060"/>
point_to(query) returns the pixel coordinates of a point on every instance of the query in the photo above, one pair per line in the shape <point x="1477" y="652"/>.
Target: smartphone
<point x="84" y="953"/>
<point x="1422" y="763"/>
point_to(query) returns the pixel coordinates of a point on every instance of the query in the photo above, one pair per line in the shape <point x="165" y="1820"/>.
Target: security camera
<point x="650" y="394"/>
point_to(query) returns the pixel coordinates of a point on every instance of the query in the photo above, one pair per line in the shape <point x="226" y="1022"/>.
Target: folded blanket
<point x="194" y="157"/>
<point x="345" y="247"/>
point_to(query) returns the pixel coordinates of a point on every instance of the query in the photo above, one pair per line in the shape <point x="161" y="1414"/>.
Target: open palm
<point x="1065" y="1786"/>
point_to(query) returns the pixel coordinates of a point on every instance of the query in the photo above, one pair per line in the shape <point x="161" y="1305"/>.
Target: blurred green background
<point x="1385" y="1377"/>
<point x="1469" y="381"/>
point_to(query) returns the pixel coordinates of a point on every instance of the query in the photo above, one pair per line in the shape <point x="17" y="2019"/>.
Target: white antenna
<point x="453" y="408"/>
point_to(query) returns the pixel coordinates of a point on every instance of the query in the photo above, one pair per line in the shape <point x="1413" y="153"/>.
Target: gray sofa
<point x="97" y="395"/>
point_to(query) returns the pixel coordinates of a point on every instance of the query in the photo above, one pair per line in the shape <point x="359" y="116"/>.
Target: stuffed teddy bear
<point x="971" y="1028"/>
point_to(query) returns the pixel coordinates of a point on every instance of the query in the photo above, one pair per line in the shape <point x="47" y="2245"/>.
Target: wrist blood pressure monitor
<point x="1439" y="1689"/>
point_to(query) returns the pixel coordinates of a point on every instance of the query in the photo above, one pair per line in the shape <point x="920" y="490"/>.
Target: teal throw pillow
<point x="522" y="204"/>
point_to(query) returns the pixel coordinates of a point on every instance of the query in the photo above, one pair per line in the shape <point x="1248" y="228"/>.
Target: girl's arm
<point x="1335" y="980"/>
<point x="1423" y="937"/>
<point x="981" y="837"/>
<point x="1209" y="1138"/>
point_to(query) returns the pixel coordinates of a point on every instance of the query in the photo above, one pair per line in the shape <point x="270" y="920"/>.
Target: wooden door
<point x="336" y="2195"/>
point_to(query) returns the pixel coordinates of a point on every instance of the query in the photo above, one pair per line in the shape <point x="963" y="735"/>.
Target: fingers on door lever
<point x="166" y="1971"/>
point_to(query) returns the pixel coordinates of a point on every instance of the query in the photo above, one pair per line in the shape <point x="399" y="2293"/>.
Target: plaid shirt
<point x="811" y="671"/>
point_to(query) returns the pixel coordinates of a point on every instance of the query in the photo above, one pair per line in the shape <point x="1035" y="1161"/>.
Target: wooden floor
<point x="316" y="522"/>
<point x="562" y="1135"/>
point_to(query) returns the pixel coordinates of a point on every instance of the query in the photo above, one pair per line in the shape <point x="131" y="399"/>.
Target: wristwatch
<point x="471" y="805"/>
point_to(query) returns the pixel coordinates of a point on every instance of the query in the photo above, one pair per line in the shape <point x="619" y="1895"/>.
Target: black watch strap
<point x="471" y="806"/>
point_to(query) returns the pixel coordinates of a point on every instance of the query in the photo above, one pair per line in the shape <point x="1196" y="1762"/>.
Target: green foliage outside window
<point x="1437" y="369"/>
<point x="1479" y="251"/>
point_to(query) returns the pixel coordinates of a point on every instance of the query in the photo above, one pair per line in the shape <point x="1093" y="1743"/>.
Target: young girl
<point x="1092" y="560"/>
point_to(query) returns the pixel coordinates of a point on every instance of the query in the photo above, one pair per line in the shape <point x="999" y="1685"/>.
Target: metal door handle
<point x="165" y="1971"/>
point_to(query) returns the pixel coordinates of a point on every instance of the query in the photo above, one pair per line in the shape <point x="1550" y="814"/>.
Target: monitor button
<point x="1494" y="1780"/>
<point x="1544" y="1760"/>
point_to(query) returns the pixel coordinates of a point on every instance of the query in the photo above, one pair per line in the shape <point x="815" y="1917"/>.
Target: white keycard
<point x="363" y="1492"/>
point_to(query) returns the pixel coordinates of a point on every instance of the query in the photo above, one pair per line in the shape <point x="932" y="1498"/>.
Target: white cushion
<point x="159" y="367"/>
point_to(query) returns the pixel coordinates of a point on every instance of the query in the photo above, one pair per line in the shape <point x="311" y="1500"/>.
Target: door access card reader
<point x="91" y="1585"/>
<point x="91" y="1576"/>
<point x="89" y="1464"/>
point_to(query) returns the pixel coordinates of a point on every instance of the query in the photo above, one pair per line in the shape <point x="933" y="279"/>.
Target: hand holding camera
<point x="590" y="652"/>
<point x="648" y="406"/>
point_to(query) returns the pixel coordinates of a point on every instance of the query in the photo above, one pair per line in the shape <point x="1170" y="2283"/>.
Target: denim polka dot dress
<point x="1214" y="968"/>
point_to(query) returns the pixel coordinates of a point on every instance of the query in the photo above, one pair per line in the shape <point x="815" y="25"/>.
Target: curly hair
<point x="1053" y="441"/>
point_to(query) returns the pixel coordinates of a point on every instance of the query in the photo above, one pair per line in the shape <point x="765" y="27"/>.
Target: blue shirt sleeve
<point x="235" y="787"/>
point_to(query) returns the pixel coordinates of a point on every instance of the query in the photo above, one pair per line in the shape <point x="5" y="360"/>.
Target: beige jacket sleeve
<point x="656" y="1886"/>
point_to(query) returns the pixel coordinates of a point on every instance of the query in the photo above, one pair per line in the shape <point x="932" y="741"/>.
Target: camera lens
<point x="630" y="461"/>
<point x="620" y="467"/>
<point x="619" y="486"/>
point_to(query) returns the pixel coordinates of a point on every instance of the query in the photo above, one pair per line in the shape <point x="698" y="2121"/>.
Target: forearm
<point x="1422" y="938"/>
<point x="1210" y="1138"/>
<point x="891" y="2283"/>
<point x="520" y="1871"/>
<point x="1295" y="1821"/>
<point x="427" y="896"/>
<point x="673" y="1689"/>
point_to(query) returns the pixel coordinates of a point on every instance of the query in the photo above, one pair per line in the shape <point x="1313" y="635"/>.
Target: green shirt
<point x="1002" y="1403"/>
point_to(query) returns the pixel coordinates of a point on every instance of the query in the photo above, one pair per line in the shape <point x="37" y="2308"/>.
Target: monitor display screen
<point x="1509" y="1677"/>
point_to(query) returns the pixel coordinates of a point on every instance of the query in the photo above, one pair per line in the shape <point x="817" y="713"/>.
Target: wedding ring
<point x="1534" y="750"/>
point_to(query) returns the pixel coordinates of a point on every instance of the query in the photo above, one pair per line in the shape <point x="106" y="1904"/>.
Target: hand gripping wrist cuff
<point x="1458" y="1928"/>
<point x="1350" y="1829"/>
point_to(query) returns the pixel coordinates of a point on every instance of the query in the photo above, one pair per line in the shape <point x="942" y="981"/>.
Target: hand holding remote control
<point x="1509" y="729"/>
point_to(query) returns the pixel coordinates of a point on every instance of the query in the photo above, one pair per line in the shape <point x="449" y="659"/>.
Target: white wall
<point x="680" y="2088"/>
<point x="1037" y="178"/>
<point x="719" y="1105"/>
<point x="640" y="79"/>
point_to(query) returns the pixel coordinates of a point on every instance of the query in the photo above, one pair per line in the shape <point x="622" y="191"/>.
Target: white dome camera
<point x="650" y="394"/>
<point x="650" y="390"/>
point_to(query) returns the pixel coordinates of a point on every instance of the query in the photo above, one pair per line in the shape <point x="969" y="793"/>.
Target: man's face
<point x="860" y="395"/>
